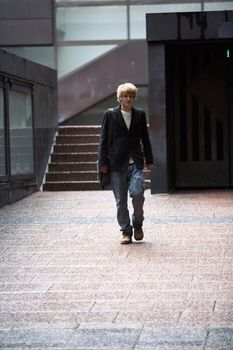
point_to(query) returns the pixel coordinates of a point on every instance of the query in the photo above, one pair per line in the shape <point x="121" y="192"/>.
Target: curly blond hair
<point x="126" y="88"/>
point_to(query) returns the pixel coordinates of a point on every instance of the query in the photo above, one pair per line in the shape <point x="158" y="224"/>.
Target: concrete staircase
<point x="72" y="165"/>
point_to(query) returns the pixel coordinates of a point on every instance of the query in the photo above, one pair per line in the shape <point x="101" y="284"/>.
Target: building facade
<point x="28" y="99"/>
<point x="96" y="45"/>
<point x="85" y="49"/>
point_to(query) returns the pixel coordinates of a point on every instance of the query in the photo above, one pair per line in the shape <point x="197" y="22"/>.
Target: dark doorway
<point x="200" y="92"/>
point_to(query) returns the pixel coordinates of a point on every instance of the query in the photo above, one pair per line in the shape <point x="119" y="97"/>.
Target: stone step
<point x="62" y="176"/>
<point x="76" y="139"/>
<point x="71" y="166"/>
<point x="72" y="186"/>
<point x="78" y="130"/>
<point x="74" y="157"/>
<point x="71" y="176"/>
<point x="76" y="148"/>
<point x="76" y="186"/>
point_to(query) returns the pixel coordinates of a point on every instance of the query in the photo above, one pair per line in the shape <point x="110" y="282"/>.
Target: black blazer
<point x="124" y="142"/>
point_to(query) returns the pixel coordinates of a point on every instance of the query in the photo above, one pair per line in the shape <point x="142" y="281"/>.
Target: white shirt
<point x="127" y="118"/>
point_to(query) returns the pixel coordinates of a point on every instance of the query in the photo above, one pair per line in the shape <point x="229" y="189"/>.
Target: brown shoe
<point x="138" y="234"/>
<point x="126" y="239"/>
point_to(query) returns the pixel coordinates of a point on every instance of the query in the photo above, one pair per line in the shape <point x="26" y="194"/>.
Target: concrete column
<point x="157" y="117"/>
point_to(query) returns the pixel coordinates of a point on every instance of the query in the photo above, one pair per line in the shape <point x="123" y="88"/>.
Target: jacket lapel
<point x="117" y="116"/>
<point x="134" y="119"/>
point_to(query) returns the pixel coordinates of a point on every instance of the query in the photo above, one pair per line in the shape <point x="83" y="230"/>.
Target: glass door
<point x="20" y="132"/>
<point x="201" y="115"/>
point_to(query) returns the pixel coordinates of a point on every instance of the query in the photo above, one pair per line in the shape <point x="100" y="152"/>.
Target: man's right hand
<point x="104" y="169"/>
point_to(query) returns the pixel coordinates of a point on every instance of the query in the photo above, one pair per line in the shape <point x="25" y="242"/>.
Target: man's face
<point x="127" y="101"/>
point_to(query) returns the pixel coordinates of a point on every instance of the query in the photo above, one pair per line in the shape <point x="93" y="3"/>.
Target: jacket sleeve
<point x="146" y="145"/>
<point x="102" y="151"/>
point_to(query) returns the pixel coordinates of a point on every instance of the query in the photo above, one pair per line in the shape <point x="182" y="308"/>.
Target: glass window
<point x="218" y="6"/>
<point x="2" y="137"/>
<point x="41" y="55"/>
<point x="81" y="1"/>
<point x="138" y="15"/>
<point x="21" y="133"/>
<point x="72" y="1"/>
<point x="71" y="58"/>
<point x="91" y="23"/>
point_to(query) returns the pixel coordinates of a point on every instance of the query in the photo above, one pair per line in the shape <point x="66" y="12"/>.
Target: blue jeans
<point x="131" y="181"/>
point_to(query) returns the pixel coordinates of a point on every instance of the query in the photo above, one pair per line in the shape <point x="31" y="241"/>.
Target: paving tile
<point x="24" y="287"/>
<point x="169" y="347"/>
<point x="208" y="318"/>
<point x="57" y="278"/>
<point x="118" y="305"/>
<point x="76" y="316"/>
<point x="89" y="295"/>
<point x="3" y="333"/>
<point x="154" y="317"/>
<point x="172" y="337"/>
<point x="220" y="338"/>
<point x="24" y="306"/>
<point x="32" y="319"/>
<point x="43" y="296"/>
<point x="40" y="338"/>
<point x="67" y="283"/>
<point x="112" y="337"/>
<point x="158" y="295"/>
<point x="224" y="305"/>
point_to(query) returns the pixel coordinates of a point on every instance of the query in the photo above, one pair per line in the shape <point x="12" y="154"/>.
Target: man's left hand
<point x="148" y="167"/>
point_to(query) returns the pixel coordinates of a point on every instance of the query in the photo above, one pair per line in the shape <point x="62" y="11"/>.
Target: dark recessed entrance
<point x="190" y="58"/>
<point x="200" y="93"/>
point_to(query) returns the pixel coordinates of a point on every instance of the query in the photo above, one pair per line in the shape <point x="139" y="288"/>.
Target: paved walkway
<point x="67" y="283"/>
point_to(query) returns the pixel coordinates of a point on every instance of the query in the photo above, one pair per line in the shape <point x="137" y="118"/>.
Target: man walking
<point x="124" y="150"/>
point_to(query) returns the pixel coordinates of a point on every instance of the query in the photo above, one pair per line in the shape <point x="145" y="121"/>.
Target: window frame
<point x="4" y="178"/>
<point x="17" y="85"/>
